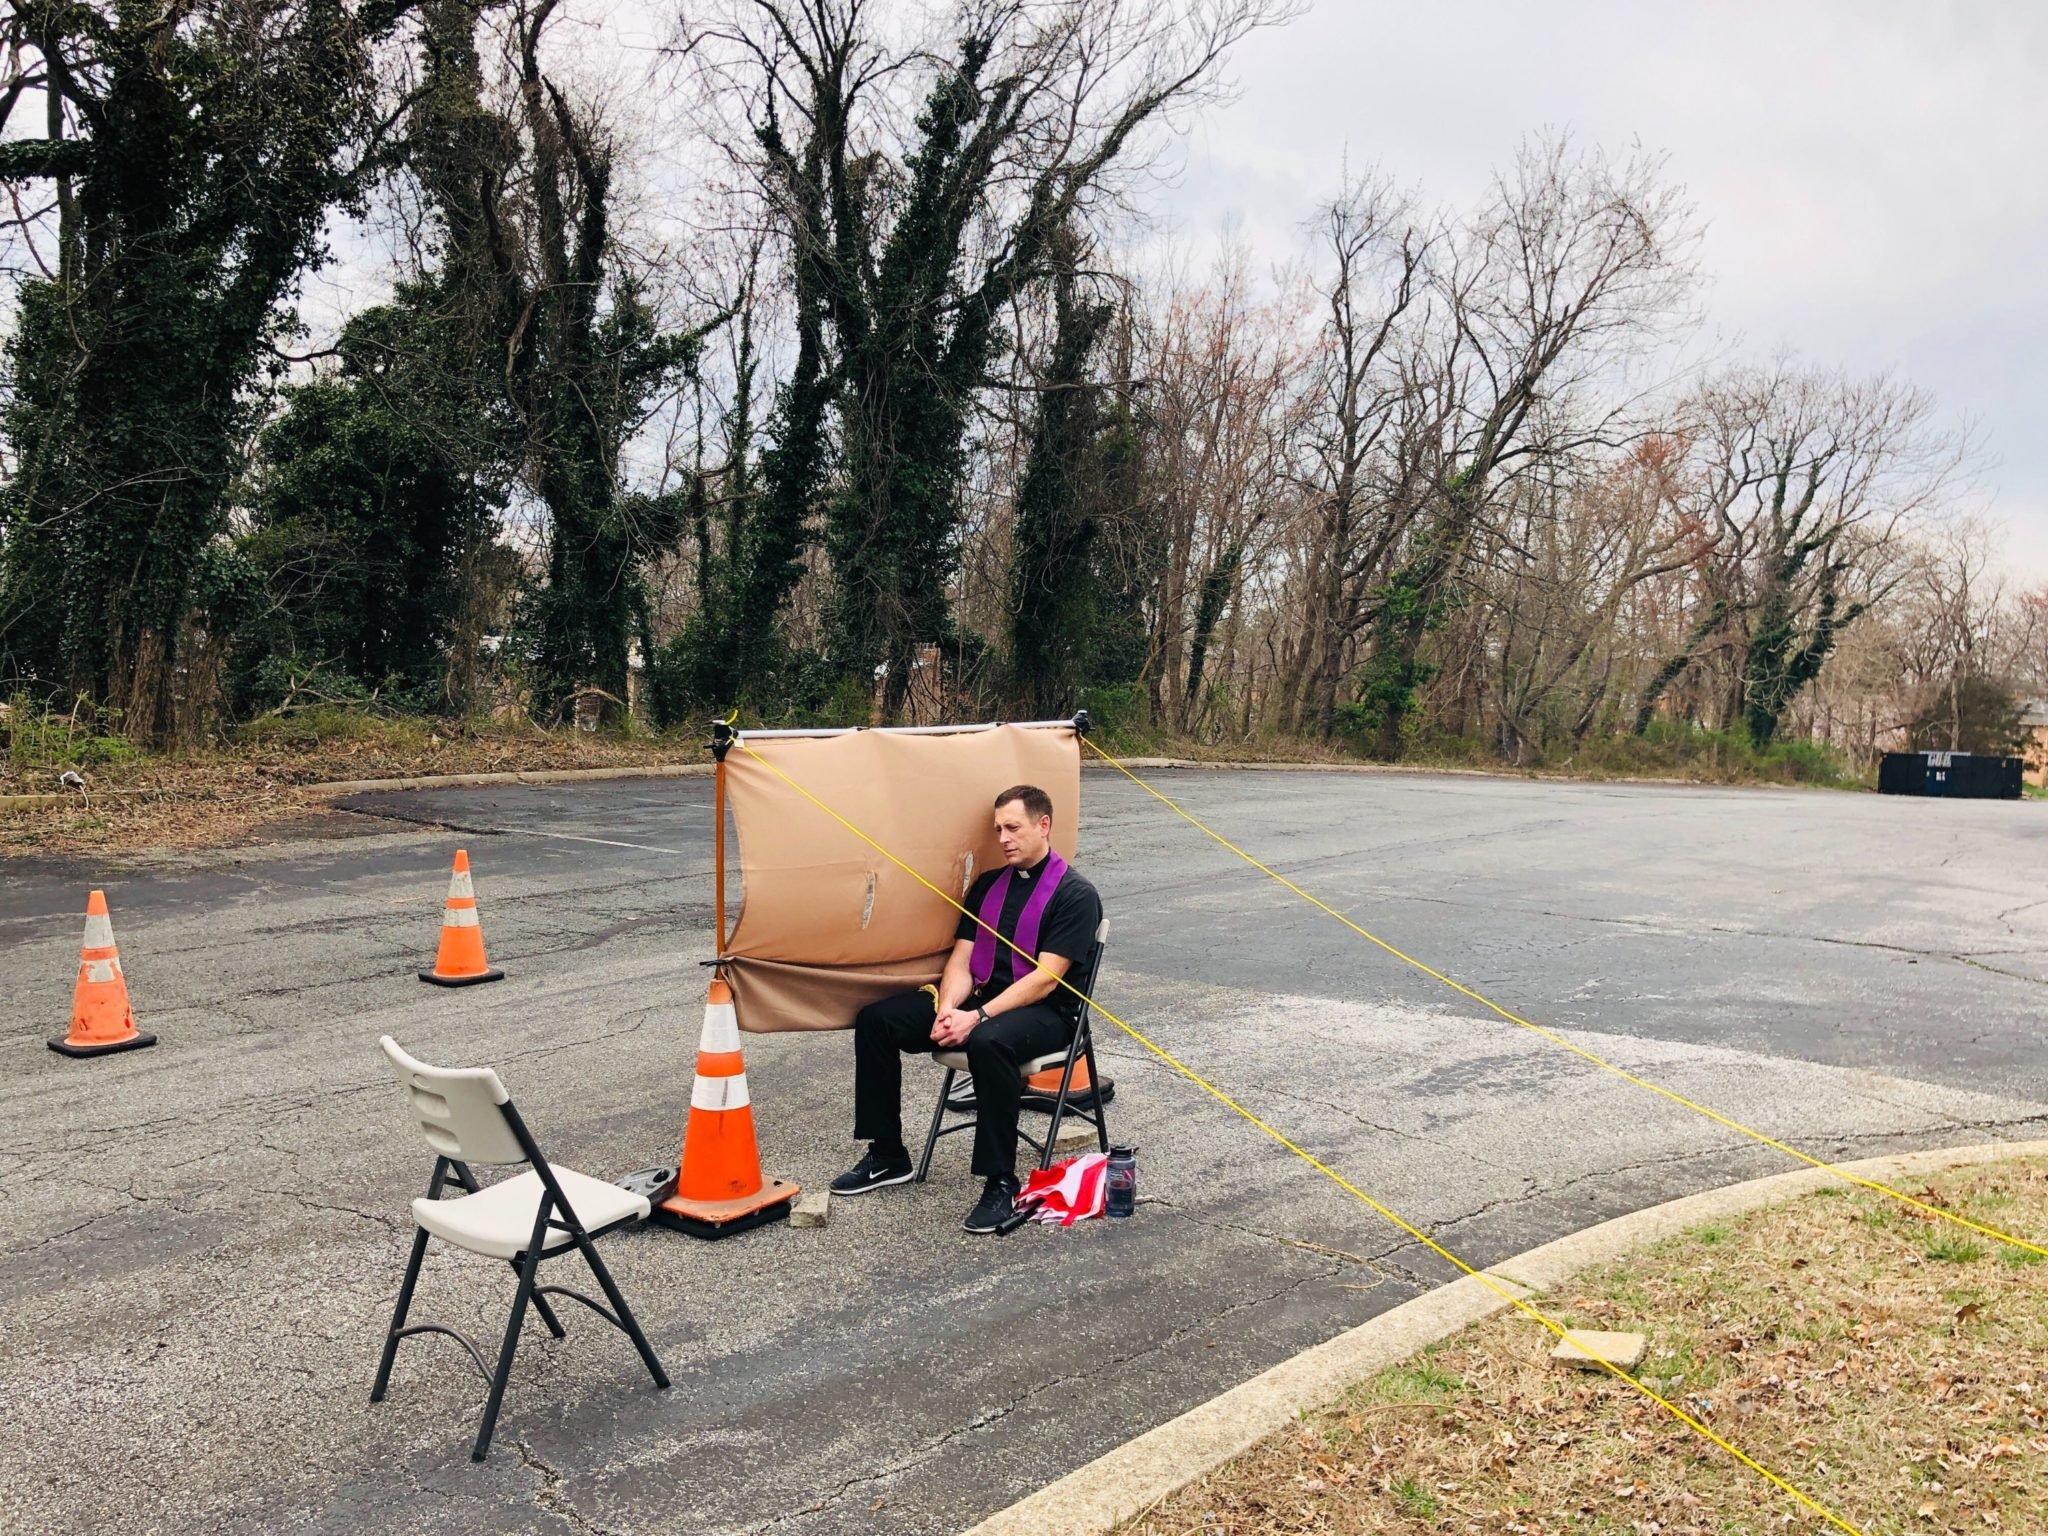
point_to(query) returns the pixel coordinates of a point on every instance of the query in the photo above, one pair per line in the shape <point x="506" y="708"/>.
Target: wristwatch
<point x="980" y="1016"/>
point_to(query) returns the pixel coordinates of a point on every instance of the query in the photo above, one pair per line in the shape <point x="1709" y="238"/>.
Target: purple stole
<point x="982" y="964"/>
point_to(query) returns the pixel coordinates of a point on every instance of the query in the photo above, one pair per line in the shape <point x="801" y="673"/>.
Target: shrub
<point x="84" y="737"/>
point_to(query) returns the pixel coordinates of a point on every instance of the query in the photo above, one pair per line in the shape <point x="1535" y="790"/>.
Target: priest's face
<point x="1024" y="837"/>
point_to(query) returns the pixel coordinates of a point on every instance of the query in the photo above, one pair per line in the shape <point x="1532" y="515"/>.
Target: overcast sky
<point x="1872" y="174"/>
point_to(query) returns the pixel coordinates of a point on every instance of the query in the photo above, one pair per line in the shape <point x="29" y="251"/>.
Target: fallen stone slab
<point x="1079" y="1137"/>
<point x="1590" y="1349"/>
<point x="811" y="1210"/>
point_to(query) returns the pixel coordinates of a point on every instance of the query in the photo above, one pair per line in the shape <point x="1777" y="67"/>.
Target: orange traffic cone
<point x="101" y="1020"/>
<point x="460" y="960"/>
<point x="719" y="1189"/>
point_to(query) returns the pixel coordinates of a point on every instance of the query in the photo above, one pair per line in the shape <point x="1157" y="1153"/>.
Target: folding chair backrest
<point x="458" y="1109"/>
<point x="1082" y="977"/>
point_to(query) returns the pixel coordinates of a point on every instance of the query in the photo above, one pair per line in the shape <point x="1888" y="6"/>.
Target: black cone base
<point x="776" y="1197"/>
<point x="134" y="1042"/>
<point x="493" y="974"/>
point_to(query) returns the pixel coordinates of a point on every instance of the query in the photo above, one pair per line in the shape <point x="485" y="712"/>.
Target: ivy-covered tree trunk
<point x="1218" y="587"/>
<point x="1413" y="603"/>
<point x="731" y="651"/>
<point x="910" y="363"/>
<point x="1052" y="587"/>
<point x="780" y="522"/>
<point x="190" y="201"/>
<point x="1784" y="655"/>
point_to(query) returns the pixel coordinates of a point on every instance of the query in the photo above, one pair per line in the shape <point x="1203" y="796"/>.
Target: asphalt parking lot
<point x="202" y="1241"/>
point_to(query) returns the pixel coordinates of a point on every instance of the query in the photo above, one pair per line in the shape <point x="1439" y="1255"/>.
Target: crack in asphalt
<point x="298" y="1197"/>
<point x="548" y="1496"/>
<point x="1435" y="1143"/>
<point x="1369" y="1261"/>
<point x="2025" y="906"/>
<point x="2000" y="971"/>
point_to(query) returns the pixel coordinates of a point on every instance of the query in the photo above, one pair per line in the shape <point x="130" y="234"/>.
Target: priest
<point x="1000" y="1008"/>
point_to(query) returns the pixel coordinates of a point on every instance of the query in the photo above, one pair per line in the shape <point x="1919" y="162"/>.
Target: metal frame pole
<point x="722" y="738"/>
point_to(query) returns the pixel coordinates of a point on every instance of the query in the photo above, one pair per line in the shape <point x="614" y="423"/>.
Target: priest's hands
<point x="954" y="1026"/>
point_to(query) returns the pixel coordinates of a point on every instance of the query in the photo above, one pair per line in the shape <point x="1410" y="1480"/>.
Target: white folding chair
<point x="1080" y="1048"/>
<point x="467" y="1117"/>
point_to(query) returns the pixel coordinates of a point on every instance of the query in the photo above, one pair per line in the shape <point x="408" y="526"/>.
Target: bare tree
<point x="1564" y="277"/>
<point x="1357" y="481"/>
<point x="1222" y="415"/>
<point x="1804" y="481"/>
<point x="1555" y="580"/>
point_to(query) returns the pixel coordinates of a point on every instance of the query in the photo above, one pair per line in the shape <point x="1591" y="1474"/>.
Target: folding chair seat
<point x="497" y="1221"/>
<point x="465" y="1116"/>
<point x="1080" y="1049"/>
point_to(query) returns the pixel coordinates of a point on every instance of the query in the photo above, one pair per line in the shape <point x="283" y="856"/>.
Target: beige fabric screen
<point x="827" y="923"/>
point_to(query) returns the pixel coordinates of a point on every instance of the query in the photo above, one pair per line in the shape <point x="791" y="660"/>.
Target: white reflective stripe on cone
<point x="720" y="1092"/>
<point x="459" y="884"/>
<point x="102" y="970"/>
<point x="721" y="1028"/>
<point x="459" y="917"/>
<point x="99" y="932"/>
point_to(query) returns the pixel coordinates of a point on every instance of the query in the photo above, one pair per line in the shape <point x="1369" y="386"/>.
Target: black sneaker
<point x="873" y="1171"/>
<point x="998" y="1200"/>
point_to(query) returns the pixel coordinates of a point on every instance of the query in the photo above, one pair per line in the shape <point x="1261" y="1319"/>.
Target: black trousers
<point x="886" y="1031"/>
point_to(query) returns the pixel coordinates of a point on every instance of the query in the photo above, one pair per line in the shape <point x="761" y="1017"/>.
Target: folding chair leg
<point x="504" y="1371"/>
<point x="412" y="1275"/>
<point x="625" y="1315"/>
<point x="1100" y="1111"/>
<point x="931" y="1140"/>
<point x="1052" y="1131"/>
<point x="540" y="1305"/>
<point x="1059" y="1113"/>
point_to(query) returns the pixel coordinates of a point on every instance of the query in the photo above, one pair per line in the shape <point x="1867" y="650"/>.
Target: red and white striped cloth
<point x="1070" y="1190"/>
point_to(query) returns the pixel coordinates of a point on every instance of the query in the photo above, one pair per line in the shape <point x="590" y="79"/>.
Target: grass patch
<point x="32" y="739"/>
<point x="1947" y="1248"/>
<point x="1856" y="1356"/>
<point x="1424" y="1382"/>
<point x="1411" y="1498"/>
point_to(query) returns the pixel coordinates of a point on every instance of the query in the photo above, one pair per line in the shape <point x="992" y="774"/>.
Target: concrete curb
<point x="526" y="776"/>
<point x="1141" y="1472"/>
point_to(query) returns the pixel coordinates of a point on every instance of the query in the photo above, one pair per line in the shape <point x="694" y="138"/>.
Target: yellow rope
<point x="1578" y="1050"/>
<point x="1323" y="1168"/>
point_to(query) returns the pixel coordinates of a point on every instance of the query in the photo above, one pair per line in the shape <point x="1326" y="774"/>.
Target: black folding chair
<point x="466" y="1116"/>
<point x="1080" y="1048"/>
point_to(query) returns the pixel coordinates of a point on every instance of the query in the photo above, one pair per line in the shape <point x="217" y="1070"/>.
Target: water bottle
<point x="1120" y="1186"/>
